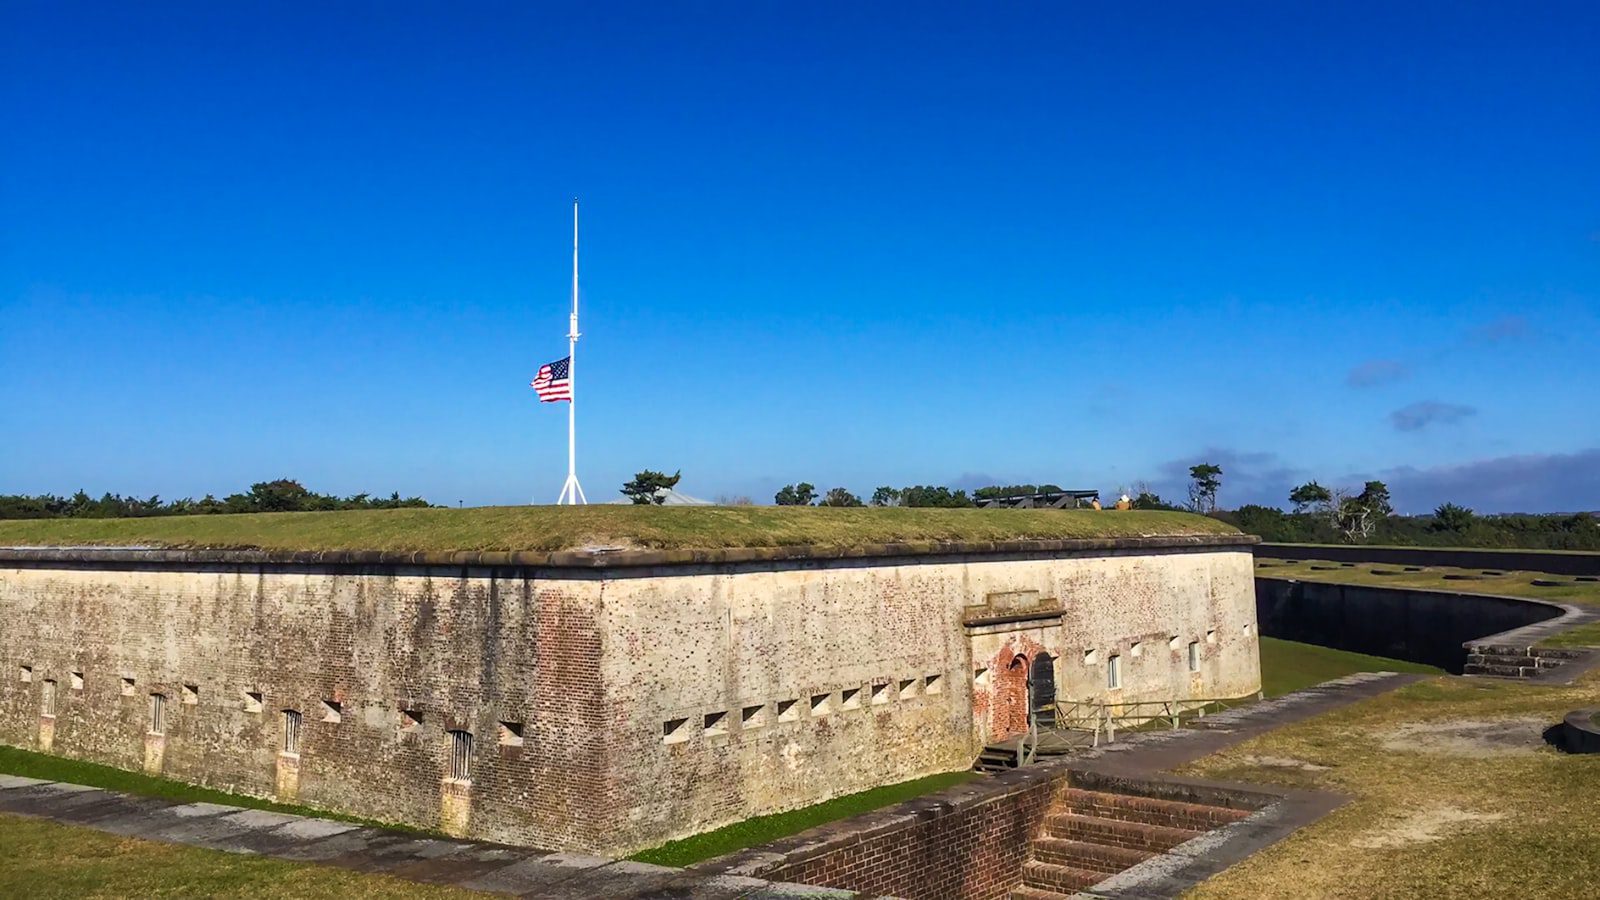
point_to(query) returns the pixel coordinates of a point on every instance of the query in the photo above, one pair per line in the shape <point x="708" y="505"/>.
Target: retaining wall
<point x="1424" y="626"/>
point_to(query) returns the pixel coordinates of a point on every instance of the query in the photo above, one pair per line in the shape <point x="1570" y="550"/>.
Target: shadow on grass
<point x="28" y="764"/>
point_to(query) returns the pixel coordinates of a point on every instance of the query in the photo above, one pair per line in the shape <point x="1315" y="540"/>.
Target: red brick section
<point x="1033" y="840"/>
<point x="967" y="851"/>
<point x="1092" y="835"/>
<point x="1010" y="698"/>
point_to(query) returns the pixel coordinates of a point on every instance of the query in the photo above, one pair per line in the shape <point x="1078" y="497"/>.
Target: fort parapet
<point x="598" y="701"/>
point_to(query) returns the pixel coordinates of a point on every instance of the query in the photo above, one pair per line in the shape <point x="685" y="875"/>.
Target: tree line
<point x="280" y="495"/>
<point x="1319" y="514"/>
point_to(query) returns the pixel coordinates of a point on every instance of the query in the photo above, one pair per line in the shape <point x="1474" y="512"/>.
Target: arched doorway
<point x="1011" y="699"/>
<point x="1042" y="690"/>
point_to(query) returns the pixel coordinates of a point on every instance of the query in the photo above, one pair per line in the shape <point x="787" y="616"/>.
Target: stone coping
<point x="618" y="559"/>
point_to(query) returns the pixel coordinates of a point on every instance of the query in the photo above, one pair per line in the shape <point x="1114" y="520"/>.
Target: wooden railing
<point x="1104" y="719"/>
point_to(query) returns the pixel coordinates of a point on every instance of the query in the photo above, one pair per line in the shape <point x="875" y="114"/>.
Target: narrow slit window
<point x="788" y="710"/>
<point x="753" y="716"/>
<point x="933" y="684"/>
<point x="820" y="705"/>
<point x="127" y="687"/>
<point x="908" y="688"/>
<point x="1211" y="637"/>
<point x="291" y="731"/>
<point x="461" y="755"/>
<point x="674" y="731"/>
<point x="511" y="734"/>
<point x="25" y="673"/>
<point x="191" y="694"/>
<point x="850" y="698"/>
<point x="158" y="714"/>
<point x="410" y="720"/>
<point x="880" y="694"/>
<point x="332" y="712"/>
<point x="1091" y="657"/>
<point x="716" y="724"/>
<point x="1194" y="656"/>
<point x="47" y="697"/>
<point x="252" y="701"/>
<point x="1174" y="643"/>
<point x="1248" y="629"/>
<point x="1113" y="672"/>
<point x="980" y="677"/>
<point x="77" y="681"/>
<point x="1137" y="650"/>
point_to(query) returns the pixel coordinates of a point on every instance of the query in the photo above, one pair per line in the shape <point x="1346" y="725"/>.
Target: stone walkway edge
<point x="491" y="868"/>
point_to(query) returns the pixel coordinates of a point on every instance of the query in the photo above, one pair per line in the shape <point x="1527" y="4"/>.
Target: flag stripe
<point x="554" y="381"/>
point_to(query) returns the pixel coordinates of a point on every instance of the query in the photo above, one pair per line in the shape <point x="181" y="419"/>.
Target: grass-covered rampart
<point x="553" y="528"/>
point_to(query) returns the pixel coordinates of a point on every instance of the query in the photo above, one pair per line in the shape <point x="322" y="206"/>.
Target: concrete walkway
<point x="494" y="868"/>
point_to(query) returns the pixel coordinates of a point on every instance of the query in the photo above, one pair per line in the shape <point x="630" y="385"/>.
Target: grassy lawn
<point x="1455" y="795"/>
<point x="14" y="761"/>
<point x="1289" y="666"/>
<point x="762" y="829"/>
<point x="40" y="860"/>
<point x="1513" y="584"/>
<point x="548" y="528"/>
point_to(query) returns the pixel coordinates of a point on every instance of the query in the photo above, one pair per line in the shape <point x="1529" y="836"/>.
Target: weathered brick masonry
<point x="613" y="701"/>
<point x="968" y="850"/>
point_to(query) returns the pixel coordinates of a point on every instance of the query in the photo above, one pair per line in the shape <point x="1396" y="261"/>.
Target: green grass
<point x="548" y="528"/>
<point x="1581" y="636"/>
<point x="16" y="761"/>
<point x="1289" y="665"/>
<point x="761" y="829"/>
<point x="1461" y="815"/>
<point x="42" y="860"/>
<point x="1441" y="547"/>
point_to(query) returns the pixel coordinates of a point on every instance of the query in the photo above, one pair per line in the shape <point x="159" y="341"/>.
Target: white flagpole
<point x="571" y="491"/>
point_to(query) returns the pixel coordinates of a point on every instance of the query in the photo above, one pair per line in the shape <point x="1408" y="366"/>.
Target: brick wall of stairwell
<point x="972" y="849"/>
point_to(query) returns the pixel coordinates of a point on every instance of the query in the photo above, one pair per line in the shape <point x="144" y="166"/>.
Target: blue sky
<point x="854" y="244"/>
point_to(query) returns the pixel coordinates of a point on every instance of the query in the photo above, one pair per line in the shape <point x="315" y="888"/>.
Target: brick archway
<point x="1010" y="699"/>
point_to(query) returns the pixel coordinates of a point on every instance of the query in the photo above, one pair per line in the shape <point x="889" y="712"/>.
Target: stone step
<point x="1065" y="879"/>
<point x="1115" y="832"/>
<point x="1084" y="855"/>
<point x="1149" y="810"/>
<point x="1556" y="652"/>
<point x="1499" y="649"/>
<point x="1502" y="671"/>
<point x="1496" y="659"/>
<point x="1031" y="893"/>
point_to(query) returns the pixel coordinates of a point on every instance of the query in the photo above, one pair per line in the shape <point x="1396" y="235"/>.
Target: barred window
<point x="291" y="731"/>
<point x="48" y="696"/>
<point x="1114" y="672"/>
<point x="1194" y="656"/>
<point x="461" y="755"/>
<point x="158" y="713"/>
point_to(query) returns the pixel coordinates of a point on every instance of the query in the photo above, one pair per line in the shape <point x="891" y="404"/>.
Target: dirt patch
<point x="1477" y="738"/>
<point x="1422" y="826"/>
<point x="1283" y="762"/>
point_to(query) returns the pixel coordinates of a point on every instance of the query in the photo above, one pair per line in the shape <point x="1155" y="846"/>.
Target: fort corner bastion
<point x="600" y="701"/>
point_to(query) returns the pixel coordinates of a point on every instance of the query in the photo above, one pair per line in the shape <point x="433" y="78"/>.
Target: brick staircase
<point x="1089" y="836"/>
<point x="1515" y="662"/>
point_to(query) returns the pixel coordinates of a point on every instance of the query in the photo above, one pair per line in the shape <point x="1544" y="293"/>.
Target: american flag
<point x="554" y="381"/>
